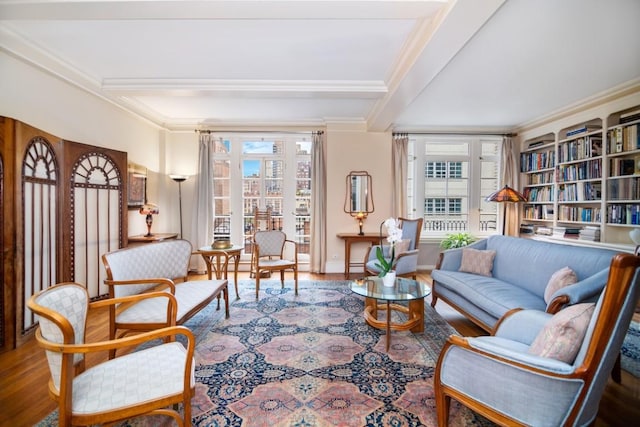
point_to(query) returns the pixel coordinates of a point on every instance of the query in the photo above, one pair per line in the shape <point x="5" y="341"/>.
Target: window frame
<point x="477" y="207"/>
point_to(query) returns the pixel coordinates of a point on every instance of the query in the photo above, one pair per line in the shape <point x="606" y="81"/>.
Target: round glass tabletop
<point x="404" y="289"/>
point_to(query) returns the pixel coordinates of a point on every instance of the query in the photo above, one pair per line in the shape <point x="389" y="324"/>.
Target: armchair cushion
<point x="561" y="278"/>
<point x="477" y="261"/>
<point x="562" y="336"/>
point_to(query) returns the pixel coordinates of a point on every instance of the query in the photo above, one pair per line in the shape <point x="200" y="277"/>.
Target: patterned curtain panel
<point x="202" y="220"/>
<point x="399" y="157"/>
<point x="318" y="251"/>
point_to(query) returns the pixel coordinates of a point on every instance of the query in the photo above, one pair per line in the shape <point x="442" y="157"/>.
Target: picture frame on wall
<point x="137" y="187"/>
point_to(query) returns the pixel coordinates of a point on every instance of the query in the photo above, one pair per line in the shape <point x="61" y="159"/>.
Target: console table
<point x="351" y="238"/>
<point x="155" y="237"/>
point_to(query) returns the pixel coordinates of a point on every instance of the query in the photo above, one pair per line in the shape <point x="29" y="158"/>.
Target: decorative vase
<point x="389" y="279"/>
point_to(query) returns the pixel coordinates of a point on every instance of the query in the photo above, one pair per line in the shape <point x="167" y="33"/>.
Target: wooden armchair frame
<point x="73" y="350"/>
<point x="272" y="259"/>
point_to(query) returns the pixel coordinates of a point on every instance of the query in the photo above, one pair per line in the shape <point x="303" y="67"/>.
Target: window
<point x="449" y="178"/>
<point x="271" y="171"/>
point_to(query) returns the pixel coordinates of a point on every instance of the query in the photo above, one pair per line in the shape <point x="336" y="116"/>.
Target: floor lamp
<point x="179" y="179"/>
<point x="505" y="194"/>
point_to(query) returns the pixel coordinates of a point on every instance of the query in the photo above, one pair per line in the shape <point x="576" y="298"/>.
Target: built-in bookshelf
<point x="623" y="150"/>
<point x="537" y="163"/>
<point x="583" y="181"/>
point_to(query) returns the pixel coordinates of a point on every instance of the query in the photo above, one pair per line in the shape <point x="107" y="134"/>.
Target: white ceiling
<point x="394" y="65"/>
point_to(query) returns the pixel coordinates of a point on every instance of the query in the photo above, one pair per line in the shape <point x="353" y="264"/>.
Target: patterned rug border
<point x="436" y="328"/>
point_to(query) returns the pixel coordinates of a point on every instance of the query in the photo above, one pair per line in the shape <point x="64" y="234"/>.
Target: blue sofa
<point x="522" y="268"/>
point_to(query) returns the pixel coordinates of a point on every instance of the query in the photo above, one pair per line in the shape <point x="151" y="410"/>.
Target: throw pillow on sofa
<point x="477" y="261"/>
<point x="562" y="336"/>
<point x="561" y="278"/>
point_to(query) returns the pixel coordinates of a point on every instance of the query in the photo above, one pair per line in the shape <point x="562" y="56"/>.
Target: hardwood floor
<point x="24" y="375"/>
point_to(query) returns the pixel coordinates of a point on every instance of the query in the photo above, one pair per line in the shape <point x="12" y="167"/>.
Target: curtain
<point x="318" y="251"/>
<point x="510" y="178"/>
<point x="202" y="217"/>
<point x="399" y="157"/>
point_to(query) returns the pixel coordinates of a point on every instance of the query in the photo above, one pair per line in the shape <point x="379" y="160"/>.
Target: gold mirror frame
<point x="358" y="200"/>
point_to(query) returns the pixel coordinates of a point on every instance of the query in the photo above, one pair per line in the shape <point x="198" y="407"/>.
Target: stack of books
<point x="559" y="231"/>
<point x="544" y="231"/>
<point x="590" y="233"/>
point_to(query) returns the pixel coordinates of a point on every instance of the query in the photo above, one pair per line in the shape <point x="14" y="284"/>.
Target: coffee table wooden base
<point x="414" y="311"/>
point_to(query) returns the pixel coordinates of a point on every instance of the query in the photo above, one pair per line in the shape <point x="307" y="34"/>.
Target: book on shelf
<point x="583" y="129"/>
<point x="527" y="228"/>
<point x="630" y="116"/>
<point x="544" y="231"/>
<point x="590" y="233"/>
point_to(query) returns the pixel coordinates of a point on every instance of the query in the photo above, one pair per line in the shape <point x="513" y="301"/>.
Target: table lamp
<point x="360" y="217"/>
<point x="149" y="209"/>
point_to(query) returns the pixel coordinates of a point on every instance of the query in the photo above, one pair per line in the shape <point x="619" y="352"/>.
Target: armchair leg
<point x="258" y="273"/>
<point x="434" y="300"/>
<point x="616" y="372"/>
<point x="443" y="402"/>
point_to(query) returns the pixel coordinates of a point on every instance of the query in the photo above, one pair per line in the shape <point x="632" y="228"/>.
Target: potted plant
<point x="457" y="240"/>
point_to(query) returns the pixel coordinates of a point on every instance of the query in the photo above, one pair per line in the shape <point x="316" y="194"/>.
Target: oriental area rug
<point x="310" y="360"/>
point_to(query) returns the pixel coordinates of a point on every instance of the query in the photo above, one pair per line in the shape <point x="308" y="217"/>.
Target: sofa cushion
<point x="477" y="261"/>
<point x="562" y="336"/>
<point x="561" y="278"/>
<point x="490" y="294"/>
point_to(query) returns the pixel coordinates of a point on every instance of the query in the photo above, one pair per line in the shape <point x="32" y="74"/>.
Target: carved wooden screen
<point x="96" y="204"/>
<point x="2" y="323"/>
<point x="39" y="177"/>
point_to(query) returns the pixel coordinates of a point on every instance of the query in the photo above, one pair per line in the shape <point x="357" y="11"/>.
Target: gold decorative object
<point x="221" y="244"/>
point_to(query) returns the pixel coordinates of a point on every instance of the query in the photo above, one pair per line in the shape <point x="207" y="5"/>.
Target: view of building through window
<point x="273" y="171"/>
<point x="449" y="179"/>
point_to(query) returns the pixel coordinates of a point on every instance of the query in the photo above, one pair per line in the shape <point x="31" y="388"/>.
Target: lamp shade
<point x="506" y="194"/>
<point x="149" y="209"/>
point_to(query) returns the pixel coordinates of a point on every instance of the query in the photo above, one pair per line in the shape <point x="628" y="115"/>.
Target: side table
<point x="217" y="261"/>
<point x="351" y="238"/>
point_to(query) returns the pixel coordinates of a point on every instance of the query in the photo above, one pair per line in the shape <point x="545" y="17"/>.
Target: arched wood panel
<point x="97" y="199"/>
<point x="40" y="238"/>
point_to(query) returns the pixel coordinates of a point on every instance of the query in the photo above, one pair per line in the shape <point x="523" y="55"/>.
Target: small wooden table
<point x="351" y="238"/>
<point x="404" y="289"/>
<point x="155" y="237"/>
<point x="217" y="261"/>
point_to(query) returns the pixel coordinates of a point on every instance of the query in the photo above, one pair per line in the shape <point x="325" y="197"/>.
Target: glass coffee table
<point x="385" y="298"/>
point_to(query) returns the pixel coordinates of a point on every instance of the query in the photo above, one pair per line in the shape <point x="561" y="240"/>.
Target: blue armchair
<point x="505" y="378"/>
<point x="406" y="263"/>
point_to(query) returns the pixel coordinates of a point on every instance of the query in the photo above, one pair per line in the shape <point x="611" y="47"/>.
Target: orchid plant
<point x="394" y="235"/>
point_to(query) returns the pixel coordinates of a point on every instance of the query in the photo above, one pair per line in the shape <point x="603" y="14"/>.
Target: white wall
<point x="48" y="103"/>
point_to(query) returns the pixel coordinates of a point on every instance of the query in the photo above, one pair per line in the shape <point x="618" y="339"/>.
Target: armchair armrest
<point x="407" y="261"/>
<point x="587" y="290"/>
<point x="126" y="301"/>
<point x="521" y="325"/>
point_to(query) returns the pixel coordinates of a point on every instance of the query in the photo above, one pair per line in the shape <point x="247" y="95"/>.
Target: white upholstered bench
<point x="152" y="267"/>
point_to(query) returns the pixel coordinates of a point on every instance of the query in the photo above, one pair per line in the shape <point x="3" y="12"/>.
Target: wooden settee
<point x="152" y="267"/>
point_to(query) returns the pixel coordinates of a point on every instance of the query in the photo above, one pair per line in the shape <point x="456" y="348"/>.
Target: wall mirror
<point x="359" y="195"/>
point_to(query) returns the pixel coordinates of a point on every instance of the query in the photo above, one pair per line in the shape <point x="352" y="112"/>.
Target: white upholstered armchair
<point x="144" y="382"/>
<point x="542" y="369"/>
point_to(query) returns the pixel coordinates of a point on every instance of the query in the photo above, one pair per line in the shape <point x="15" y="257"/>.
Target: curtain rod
<point x="258" y="131"/>
<point x="464" y="133"/>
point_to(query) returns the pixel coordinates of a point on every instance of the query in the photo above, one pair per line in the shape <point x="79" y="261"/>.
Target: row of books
<point x="623" y="189"/>
<point x="591" y="169"/>
<point x="536" y="161"/>
<point x="580" y="213"/>
<point x="624" y="139"/>
<point x="622" y="167"/>
<point x="539" y="194"/>
<point x="623" y="214"/>
<point x="538" y="212"/>
<point x="540" y="178"/>
<point x="580" y="191"/>
<point x="580" y="149"/>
